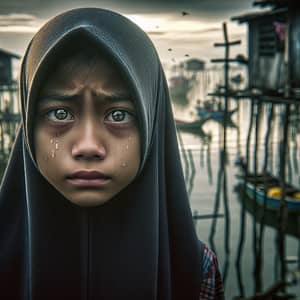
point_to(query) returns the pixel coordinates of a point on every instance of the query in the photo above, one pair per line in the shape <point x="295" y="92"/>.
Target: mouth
<point x="88" y="179"/>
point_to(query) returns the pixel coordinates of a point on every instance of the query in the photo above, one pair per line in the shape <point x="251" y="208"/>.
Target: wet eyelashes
<point x="59" y="115"/>
<point x="115" y="116"/>
<point x="119" y="116"/>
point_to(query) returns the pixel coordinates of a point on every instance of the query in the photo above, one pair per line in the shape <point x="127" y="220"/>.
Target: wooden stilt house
<point x="273" y="48"/>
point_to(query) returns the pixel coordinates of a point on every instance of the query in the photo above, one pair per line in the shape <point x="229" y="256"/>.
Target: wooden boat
<point x="194" y="128"/>
<point x="269" y="216"/>
<point x="266" y="189"/>
<point x="228" y="122"/>
<point x="214" y="114"/>
<point x="181" y="124"/>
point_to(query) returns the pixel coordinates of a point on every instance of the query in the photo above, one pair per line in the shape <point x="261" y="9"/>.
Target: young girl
<point x="93" y="203"/>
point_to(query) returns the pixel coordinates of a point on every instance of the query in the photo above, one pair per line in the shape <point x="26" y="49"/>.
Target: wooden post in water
<point x="222" y="177"/>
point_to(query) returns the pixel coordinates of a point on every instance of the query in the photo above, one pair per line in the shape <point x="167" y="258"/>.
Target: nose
<point x="88" y="143"/>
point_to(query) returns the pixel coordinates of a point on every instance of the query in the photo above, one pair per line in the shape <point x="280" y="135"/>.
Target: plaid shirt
<point x="212" y="285"/>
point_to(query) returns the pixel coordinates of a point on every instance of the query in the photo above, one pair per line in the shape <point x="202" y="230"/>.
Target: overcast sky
<point x="191" y="35"/>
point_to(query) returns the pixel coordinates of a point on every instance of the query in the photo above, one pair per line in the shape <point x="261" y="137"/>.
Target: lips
<point x="88" y="175"/>
<point x="88" y="179"/>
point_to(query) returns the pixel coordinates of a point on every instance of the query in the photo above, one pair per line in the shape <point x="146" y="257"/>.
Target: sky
<point x="175" y="36"/>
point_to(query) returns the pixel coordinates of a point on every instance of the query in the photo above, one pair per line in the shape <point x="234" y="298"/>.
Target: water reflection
<point x="188" y="156"/>
<point x="258" y="247"/>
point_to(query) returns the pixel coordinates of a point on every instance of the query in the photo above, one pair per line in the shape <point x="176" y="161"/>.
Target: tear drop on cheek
<point x="52" y="153"/>
<point x="124" y="164"/>
<point x="57" y="134"/>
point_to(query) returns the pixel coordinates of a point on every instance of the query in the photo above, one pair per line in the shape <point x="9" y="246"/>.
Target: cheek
<point x="46" y="148"/>
<point x="127" y="158"/>
<point x="43" y="156"/>
<point x="41" y="145"/>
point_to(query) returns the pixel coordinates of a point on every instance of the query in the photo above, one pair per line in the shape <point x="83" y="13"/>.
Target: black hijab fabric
<point x="139" y="245"/>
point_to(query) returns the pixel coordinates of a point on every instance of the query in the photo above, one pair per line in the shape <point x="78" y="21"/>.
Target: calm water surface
<point x="201" y="164"/>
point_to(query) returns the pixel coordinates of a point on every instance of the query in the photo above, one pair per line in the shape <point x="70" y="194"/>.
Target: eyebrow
<point x="116" y="97"/>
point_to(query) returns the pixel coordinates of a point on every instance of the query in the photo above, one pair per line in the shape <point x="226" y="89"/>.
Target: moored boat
<point x="267" y="215"/>
<point x="181" y="124"/>
<point x="214" y="114"/>
<point x="266" y="190"/>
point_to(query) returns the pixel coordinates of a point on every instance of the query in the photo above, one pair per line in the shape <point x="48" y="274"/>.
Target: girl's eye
<point x="59" y="115"/>
<point x="119" y="116"/>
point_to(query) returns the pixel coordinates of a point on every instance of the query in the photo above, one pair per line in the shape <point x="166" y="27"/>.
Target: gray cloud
<point x="206" y="30"/>
<point x="33" y="13"/>
<point x="17" y="19"/>
<point x="208" y="9"/>
<point x="194" y="32"/>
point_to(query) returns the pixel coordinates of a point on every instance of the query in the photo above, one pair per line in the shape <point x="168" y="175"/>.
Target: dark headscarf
<point x="139" y="245"/>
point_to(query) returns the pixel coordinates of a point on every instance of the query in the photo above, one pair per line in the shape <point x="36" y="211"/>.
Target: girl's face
<point x="86" y="137"/>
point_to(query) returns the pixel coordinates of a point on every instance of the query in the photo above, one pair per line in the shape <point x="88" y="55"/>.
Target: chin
<point x="89" y="200"/>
